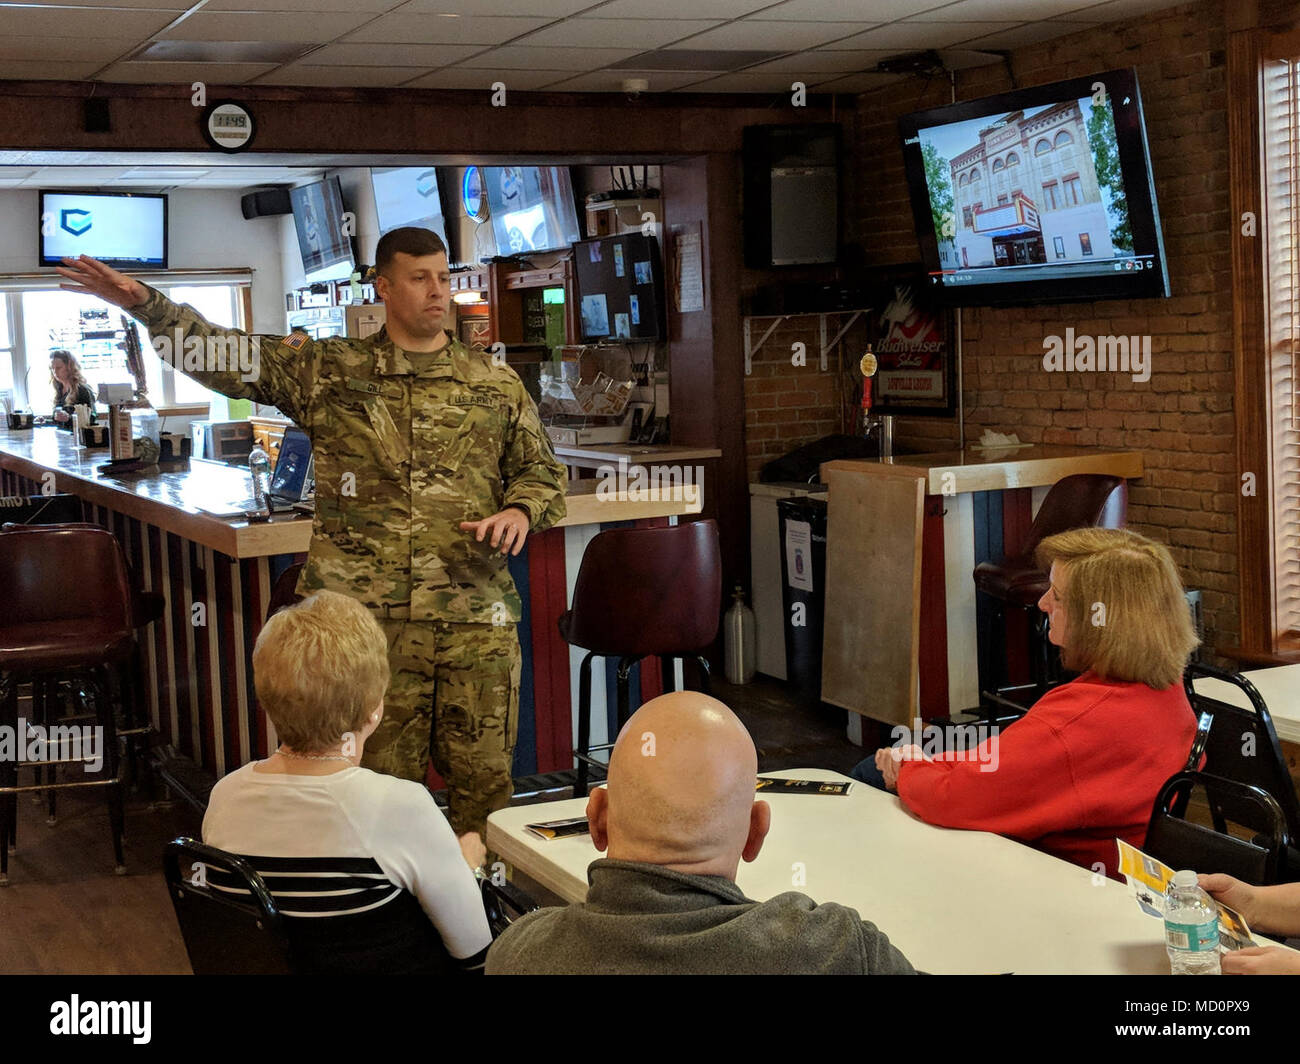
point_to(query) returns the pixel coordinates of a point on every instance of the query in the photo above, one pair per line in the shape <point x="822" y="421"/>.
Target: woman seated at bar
<point x="1084" y="765"/>
<point x="70" y="387"/>
<point x="364" y="866"/>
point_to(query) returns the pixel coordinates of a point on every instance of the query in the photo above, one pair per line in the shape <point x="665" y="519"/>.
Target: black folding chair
<point x="1242" y="745"/>
<point x="232" y="934"/>
<point x="1179" y="843"/>
<point x="225" y="935"/>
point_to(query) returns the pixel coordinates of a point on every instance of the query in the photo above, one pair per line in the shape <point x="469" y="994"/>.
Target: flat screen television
<point x="532" y="208"/>
<point x="323" y="239"/>
<point x="620" y="288"/>
<point x="409" y="195"/>
<point x="1043" y="195"/>
<point x="126" y="230"/>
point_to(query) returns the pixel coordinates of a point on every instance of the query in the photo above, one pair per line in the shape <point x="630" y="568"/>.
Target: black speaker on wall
<point x="266" y="201"/>
<point x="792" y="195"/>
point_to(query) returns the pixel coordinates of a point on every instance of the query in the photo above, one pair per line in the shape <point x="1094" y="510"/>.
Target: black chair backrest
<point x="1241" y="744"/>
<point x="224" y="935"/>
<point x="505" y="903"/>
<point x="1180" y="843"/>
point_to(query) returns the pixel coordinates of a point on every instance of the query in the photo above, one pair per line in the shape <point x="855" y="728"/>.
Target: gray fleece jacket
<point x="644" y="919"/>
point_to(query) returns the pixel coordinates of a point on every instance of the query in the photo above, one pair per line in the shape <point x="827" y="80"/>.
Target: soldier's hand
<point x="508" y="529"/>
<point x="94" y="277"/>
<point x="471" y="846"/>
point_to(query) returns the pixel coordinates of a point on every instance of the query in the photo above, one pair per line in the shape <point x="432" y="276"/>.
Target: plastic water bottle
<point x="1191" y="927"/>
<point x="738" y="640"/>
<point x="259" y="471"/>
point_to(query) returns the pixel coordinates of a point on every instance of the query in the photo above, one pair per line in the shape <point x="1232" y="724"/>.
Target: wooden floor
<point x="64" y="910"/>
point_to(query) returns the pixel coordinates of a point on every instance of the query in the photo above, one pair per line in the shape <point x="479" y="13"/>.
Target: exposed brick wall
<point x="1182" y="418"/>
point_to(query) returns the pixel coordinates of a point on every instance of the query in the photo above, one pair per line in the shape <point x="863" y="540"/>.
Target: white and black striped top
<point x="393" y="879"/>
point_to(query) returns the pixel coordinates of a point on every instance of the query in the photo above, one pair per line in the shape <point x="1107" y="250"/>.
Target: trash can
<point x="803" y="589"/>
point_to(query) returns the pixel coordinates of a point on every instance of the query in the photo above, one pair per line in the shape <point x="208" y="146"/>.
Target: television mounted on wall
<point x="1043" y="195"/>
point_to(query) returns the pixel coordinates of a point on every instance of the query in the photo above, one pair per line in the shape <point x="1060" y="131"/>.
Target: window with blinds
<point x="1281" y="230"/>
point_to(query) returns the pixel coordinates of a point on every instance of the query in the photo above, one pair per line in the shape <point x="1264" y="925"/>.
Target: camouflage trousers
<point x="454" y="693"/>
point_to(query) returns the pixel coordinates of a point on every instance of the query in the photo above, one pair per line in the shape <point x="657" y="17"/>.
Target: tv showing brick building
<point x="1039" y="195"/>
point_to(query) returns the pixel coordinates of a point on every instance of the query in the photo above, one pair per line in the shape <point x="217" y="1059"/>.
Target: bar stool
<point x="146" y="607"/>
<point x="1081" y="500"/>
<point x="642" y="592"/>
<point x="69" y="610"/>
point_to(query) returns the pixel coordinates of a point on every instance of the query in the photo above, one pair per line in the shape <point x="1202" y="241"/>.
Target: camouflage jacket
<point x="407" y="446"/>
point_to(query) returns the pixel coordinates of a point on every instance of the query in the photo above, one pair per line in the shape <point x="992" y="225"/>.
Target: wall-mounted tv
<point x="409" y="195"/>
<point x="532" y="208"/>
<point x="1043" y="195"/>
<point x="126" y="230"/>
<point x="620" y="288"/>
<point x="323" y="239"/>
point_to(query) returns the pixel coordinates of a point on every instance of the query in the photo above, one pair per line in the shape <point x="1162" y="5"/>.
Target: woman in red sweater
<point x="1084" y="765"/>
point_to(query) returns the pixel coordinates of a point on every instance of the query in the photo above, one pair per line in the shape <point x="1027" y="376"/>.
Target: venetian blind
<point x="1281" y="229"/>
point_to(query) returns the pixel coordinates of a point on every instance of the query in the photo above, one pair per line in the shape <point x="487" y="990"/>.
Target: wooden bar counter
<point x="217" y="574"/>
<point x="903" y="539"/>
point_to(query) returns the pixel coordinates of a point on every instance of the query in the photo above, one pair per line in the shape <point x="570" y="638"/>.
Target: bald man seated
<point x="676" y="818"/>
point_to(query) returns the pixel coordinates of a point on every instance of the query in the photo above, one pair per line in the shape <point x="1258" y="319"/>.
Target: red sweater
<point x="1081" y="768"/>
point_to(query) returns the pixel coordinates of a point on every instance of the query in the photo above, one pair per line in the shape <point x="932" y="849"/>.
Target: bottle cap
<point x="1185" y="878"/>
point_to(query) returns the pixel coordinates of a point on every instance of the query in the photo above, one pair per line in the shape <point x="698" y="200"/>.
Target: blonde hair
<point x="320" y="668"/>
<point x="76" y="379"/>
<point x="1126" y="616"/>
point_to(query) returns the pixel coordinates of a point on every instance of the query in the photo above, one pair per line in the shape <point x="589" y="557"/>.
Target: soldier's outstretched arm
<point x="534" y="479"/>
<point x="274" y="370"/>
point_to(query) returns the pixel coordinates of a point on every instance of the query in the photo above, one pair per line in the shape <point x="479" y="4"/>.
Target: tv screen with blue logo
<point x="126" y="230"/>
<point x="408" y="195"/>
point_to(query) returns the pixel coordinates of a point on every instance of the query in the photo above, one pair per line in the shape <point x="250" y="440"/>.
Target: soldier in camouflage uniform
<point x="430" y="465"/>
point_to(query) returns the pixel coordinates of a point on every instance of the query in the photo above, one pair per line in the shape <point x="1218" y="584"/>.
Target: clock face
<point x="473" y="195"/>
<point x="228" y="126"/>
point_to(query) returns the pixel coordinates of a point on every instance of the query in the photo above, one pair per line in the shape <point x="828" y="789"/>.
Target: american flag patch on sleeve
<point x="295" y="341"/>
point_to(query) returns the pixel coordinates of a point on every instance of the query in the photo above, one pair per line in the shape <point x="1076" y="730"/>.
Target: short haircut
<point x="409" y="240"/>
<point x="320" y="668"/>
<point x="1126" y="614"/>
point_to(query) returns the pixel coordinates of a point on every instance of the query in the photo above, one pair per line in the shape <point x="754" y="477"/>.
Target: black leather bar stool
<point x="1082" y="500"/>
<point x="68" y="610"/>
<point x="642" y="592"/>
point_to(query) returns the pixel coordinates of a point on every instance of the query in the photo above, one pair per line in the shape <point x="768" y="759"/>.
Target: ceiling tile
<point x="839" y="11"/>
<point x="1003" y="10"/>
<point x="774" y="36"/>
<point x="176" y="7"/>
<point x="713" y="60"/>
<point x="220" y="52"/>
<point x="1029" y="33"/>
<point x="72" y="176"/>
<point x="428" y="56"/>
<point x="79" y="22"/>
<point x="612" y="80"/>
<point x="1121" y="10"/>
<point x="185" y="73"/>
<point x="370" y="7"/>
<point x="616" y="33"/>
<point x="918" y="36"/>
<point x="62" y="48"/>
<point x="462" y="78"/>
<point x="825" y="61"/>
<point x="335" y="76"/>
<point x="45" y="70"/>
<point x="679" y="9"/>
<point x="265" y="26"/>
<point x="430" y="29"/>
<point x="549" y="9"/>
<point x="514" y="57"/>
